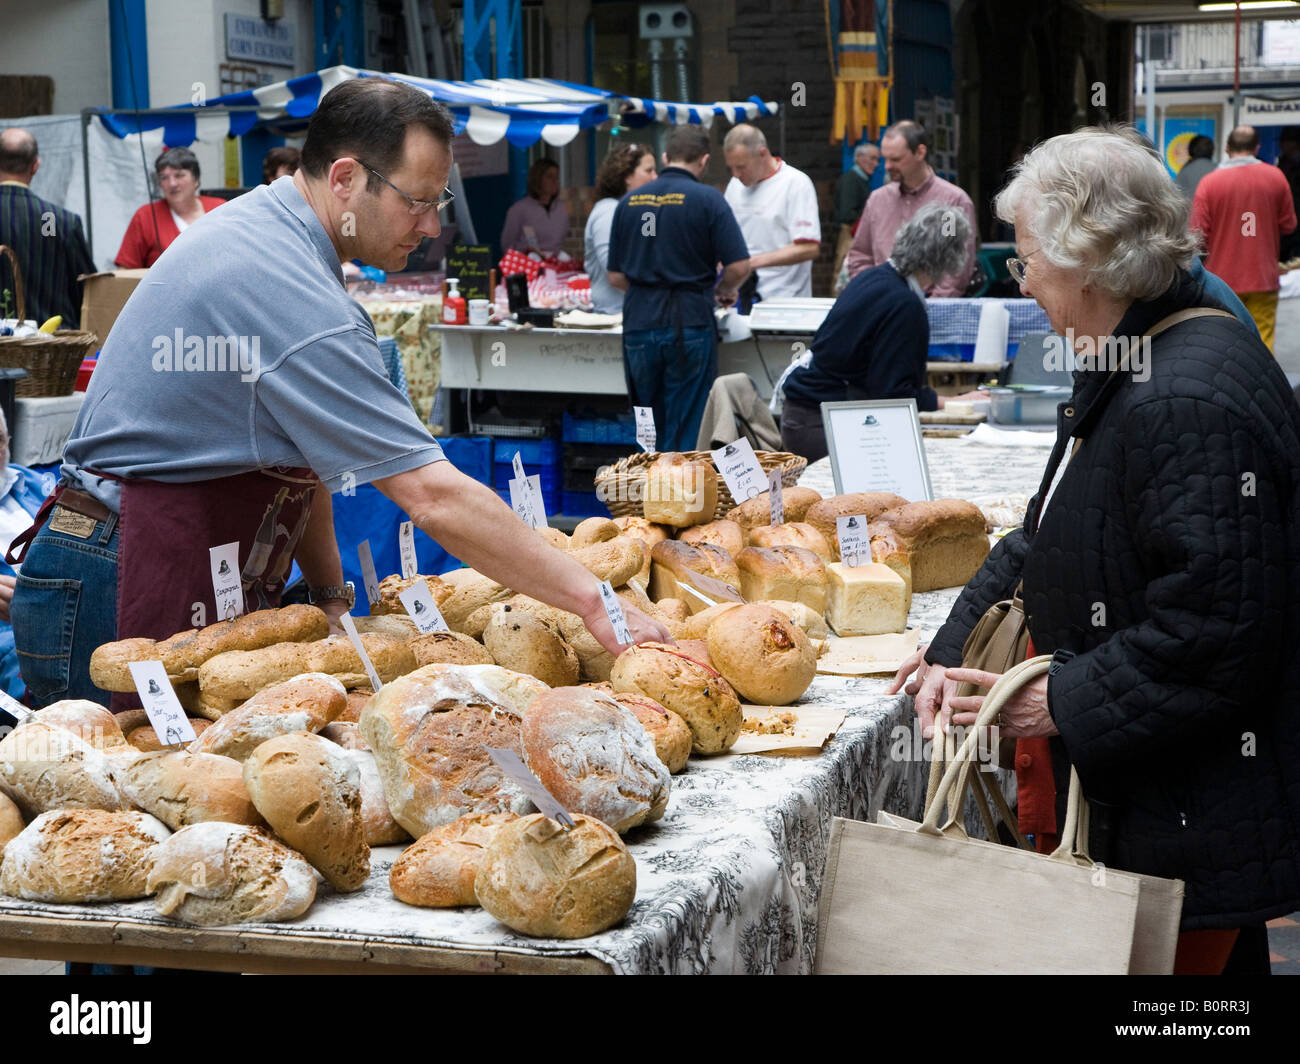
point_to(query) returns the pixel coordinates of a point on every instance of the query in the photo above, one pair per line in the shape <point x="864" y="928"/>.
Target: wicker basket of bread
<point x="621" y="486"/>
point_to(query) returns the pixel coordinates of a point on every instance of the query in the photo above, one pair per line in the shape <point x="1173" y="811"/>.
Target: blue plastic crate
<point x="582" y="504"/>
<point x="533" y="452"/>
<point x="620" y="429"/>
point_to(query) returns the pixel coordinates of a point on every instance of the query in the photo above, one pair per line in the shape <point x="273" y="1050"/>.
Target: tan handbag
<point x="905" y="898"/>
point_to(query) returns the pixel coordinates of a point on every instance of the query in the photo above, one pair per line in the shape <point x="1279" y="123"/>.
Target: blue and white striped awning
<point x="520" y="110"/>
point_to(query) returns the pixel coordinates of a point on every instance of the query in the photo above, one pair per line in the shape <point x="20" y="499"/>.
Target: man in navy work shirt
<point x="667" y="241"/>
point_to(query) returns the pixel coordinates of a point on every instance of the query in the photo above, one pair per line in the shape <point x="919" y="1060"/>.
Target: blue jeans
<point x="65" y="605"/>
<point x="672" y="378"/>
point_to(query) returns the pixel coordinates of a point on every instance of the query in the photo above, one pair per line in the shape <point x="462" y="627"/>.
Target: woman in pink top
<point x="539" y="221"/>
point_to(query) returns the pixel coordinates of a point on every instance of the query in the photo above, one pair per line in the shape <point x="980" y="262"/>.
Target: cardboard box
<point x="41" y="427"/>
<point x="103" y="297"/>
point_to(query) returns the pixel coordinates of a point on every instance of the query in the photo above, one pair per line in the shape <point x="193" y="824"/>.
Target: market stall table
<point x="728" y="880"/>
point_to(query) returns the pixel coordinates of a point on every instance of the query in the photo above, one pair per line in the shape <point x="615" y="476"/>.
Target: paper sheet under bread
<point x="866" y="655"/>
<point x="813" y="726"/>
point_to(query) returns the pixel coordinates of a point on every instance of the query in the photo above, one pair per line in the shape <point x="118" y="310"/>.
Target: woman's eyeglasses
<point x="1016" y="267"/>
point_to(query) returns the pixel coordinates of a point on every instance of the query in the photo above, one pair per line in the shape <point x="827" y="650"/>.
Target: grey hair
<point x="934" y="241"/>
<point x="1100" y="200"/>
<point x="863" y="149"/>
<point x="744" y="136"/>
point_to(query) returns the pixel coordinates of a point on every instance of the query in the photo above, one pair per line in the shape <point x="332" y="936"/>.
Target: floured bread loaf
<point x="428" y="731"/>
<point x="44" y="768"/>
<point x="791" y="574"/>
<point x="438" y="870"/>
<point x="865" y="600"/>
<point x="449" y="648"/>
<point x="305" y="703"/>
<point x="795" y="534"/>
<point x="540" y="879"/>
<point x="615" y="560"/>
<point x="377" y="823"/>
<point x="309" y="791"/>
<point x="823" y="515"/>
<point x="674" y="563"/>
<point x="216" y="873"/>
<point x="145" y="739"/>
<point x="345" y="733"/>
<point x="74" y="856"/>
<point x="757" y="512"/>
<point x="11" y="821"/>
<point x="944" y="541"/>
<point x="725" y="534"/>
<point x="593" y="755"/>
<point x="181" y="788"/>
<point x="693" y="690"/>
<point x="522" y="641"/>
<point x="671" y="736"/>
<point x="763" y="654"/>
<point x="391" y="586"/>
<point x="679" y="492"/>
<point x="89" y="721"/>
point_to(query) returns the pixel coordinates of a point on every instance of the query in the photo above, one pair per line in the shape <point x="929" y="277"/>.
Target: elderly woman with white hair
<point x="874" y="341"/>
<point x="1159" y="563"/>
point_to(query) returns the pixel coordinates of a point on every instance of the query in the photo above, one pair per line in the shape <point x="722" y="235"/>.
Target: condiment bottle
<point x="455" y="311"/>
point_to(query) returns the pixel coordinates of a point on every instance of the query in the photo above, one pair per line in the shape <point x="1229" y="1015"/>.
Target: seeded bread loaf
<point x="696" y="692"/>
<point x="522" y="641"/>
<point x="763" y="654"/>
<point x="670" y="734"/>
<point x="450" y="648"/>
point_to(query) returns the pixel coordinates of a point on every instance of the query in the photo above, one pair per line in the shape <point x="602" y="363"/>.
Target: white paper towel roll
<point x="991" y="340"/>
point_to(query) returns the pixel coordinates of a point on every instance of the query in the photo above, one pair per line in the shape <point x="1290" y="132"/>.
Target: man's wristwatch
<point x="345" y="593"/>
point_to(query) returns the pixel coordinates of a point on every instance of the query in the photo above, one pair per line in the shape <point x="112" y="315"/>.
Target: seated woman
<point x="625" y="169"/>
<point x="873" y="343"/>
<point x="539" y="221"/>
<point x="155" y="225"/>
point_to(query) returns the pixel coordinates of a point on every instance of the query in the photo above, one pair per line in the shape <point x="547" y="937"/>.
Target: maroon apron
<point x="163" y="568"/>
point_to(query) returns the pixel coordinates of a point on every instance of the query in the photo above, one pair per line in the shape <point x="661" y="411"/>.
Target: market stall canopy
<point x="521" y="110"/>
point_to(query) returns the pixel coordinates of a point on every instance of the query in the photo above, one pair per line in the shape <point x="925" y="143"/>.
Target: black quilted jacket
<point x="1169" y="563"/>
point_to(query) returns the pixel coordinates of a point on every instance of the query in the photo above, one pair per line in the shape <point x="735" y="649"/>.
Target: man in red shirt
<point x="1243" y="209"/>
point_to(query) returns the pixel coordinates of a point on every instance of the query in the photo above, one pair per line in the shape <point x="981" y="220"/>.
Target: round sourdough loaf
<point x="522" y="641"/>
<point x="428" y="731"/>
<point x="214" y="873"/>
<point x="671" y="736"/>
<point x="595" y="757"/>
<point x="305" y="703"/>
<point x="448" y="648"/>
<point x="540" y="879"/>
<point x="438" y="870"/>
<point x="697" y="625"/>
<point x="693" y="690"/>
<point x="89" y="721"/>
<point x="181" y="788"/>
<point x="44" y="768"/>
<point x="82" y="855"/>
<point x="377" y="823"/>
<point x="11" y="821"/>
<point x="310" y="793"/>
<point x="763" y="653"/>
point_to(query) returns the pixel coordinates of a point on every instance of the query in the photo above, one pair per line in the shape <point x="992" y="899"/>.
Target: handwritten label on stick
<point x="227" y="582"/>
<point x="406" y="545"/>
<point x="509" y="763"/>
<point x="614" y="611"/>
<point x="160" y="703"/>
<point x="526" y="500"/>
<point x="368" y="574"/>
<point x="740" y="469"/>
<point x="774" y="487"/>
<point x="350" y="627"/>
<point x="645" y="427"/>
<point x="855" y="539"/>
<point x="12" y="706"/>
<point x="421" y="608"/>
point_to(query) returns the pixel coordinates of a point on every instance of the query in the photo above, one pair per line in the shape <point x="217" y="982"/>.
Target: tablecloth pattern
<point x="408" y="321"/>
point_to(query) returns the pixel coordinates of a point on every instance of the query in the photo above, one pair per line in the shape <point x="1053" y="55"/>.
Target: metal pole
<point x="1149" y="67"/>
<point x="85" y="179"/>
<point x="1236" y="71"/>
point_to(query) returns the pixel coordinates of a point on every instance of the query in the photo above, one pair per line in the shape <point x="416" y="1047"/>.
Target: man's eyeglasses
<point x="416" y="206"/>
<point x="1016" y="267"/>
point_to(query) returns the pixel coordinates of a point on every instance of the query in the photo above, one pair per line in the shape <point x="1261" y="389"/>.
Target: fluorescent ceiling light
<point x="1249" y="5"/>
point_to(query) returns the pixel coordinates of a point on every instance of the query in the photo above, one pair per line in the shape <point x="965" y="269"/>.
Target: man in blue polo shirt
<point x="667" y="241"/>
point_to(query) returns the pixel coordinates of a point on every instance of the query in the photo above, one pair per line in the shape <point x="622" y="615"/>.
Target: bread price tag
<point x="774" y="488"/>
<point x="406" y="546"/>
<point x="711" y="585"/>
<point x="227" y="581"/>
<point x="509" y="763"/>
<point x="13" y="707"/>
<point x="526" y="500"/>
<point x="614" y="611"/>
<point x="421" y="608"/>
<point x="368" y="575"/>
<point x="645" y="428"/>
<point x="360" y="648"/>
<point x="855" y="539"/>
<point x="160" y="703"/>
<point x="740" y="469"/>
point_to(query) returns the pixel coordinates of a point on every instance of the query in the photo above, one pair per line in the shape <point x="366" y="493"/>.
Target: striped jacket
<point x="51" y="250"/>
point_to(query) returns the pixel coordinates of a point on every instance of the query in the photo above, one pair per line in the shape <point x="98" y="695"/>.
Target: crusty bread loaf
<point x="181" y="788"/>
<point x="216" y="873"/>
<point x="468" y="596"/>
<point x="89" y="721"/>
<point x="647" y="532"/>
<point x="438" y="870"/>
<point x="336" y="656"/>
<point x="670" y="734"/>
<point x="74" y="856"/>
<point x="213" y="707"/>
<point x="108" y="662"/>
<point x="674" y="562"/>
<point x="823" y="515"/>
<point x="757" y="512"/>
<point x="377" y="824"/>
<point x="673" y="611"/>
<point x="399" y="626"/>
<point x="391" y="587"/>
<point x="680" y="493"/>
<point x="357" y="699"/>
<point x="795" y="534"/>
<point x="595" y="757"/>
<point x="304" y="703"/>
<point x="615" y="560"/>
<point x="557" y="539"/>
<point x="240" y="674"/>
<point x="44" y="768"/>
<point x="11" y="821"/>
<point x="146" y="739"/>
<point x="697" y="625"/>
<point x="812" y="623"/>
<point x="693" y="690"/>
<point x="523" y="641"/>
<point x="540" y="879"/>
<point x="594" y="661"/>
<point x="725" y="534"/>
<point x="763" y="654"/>
<point x="788" y="573"/>
<point x="310" y="793"/>
<point x="593" y="530"/>
<point x="944" y="541"/>
<point x="347" y="734"/>
<point x="449" y="648"/>
<point x="428" y="731"/>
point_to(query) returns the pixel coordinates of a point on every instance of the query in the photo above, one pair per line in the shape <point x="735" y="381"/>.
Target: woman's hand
<point x="930" y="687"/>
<point x="1023" y="716"/>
